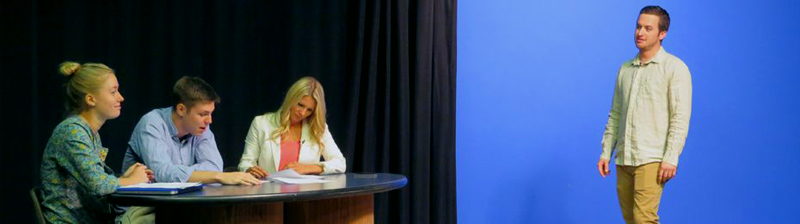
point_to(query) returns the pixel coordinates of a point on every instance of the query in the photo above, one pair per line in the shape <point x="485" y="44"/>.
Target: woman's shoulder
<point x="71" y="127"/>
<point x="268" y="115"/>
<point x="70" y="130"/>
<point x="264" y="119"/>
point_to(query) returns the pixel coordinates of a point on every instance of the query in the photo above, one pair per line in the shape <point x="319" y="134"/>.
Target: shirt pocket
<point x="654" y="85"/>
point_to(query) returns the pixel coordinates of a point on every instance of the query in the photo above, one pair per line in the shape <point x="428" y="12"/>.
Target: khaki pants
<point x="639" y="192"/>
<point x="137" y="215"/>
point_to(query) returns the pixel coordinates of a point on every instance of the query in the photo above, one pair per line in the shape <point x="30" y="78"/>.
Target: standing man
<point x="177" y="143"/>
<point x="649" y="120"/>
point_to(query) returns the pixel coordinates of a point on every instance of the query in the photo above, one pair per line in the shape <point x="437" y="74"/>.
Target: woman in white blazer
<point x="274" y="139"/>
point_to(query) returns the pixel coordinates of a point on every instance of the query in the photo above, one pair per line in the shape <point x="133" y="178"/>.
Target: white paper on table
<point x="300" y="180"/>
<point x="290" y="173"/>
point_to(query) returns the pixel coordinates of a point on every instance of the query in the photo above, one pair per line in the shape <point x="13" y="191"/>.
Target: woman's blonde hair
<point x="306" y="86"/>
<point x="83" y="79"/>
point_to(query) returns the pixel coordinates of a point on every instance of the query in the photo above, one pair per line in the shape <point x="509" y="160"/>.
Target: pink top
<point x="290" y="151"/>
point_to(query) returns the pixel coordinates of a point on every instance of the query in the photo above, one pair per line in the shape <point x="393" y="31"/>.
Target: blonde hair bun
<point x="69" y="68"/>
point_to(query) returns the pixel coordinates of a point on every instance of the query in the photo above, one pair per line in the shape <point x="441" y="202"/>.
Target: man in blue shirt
<point x="177" y="143"/>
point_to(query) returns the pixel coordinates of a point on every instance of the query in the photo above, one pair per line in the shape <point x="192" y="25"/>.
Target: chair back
<point x="36" y="193"/>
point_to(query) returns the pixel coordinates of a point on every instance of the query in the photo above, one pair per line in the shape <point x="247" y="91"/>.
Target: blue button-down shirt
<point x="154" y="143"/>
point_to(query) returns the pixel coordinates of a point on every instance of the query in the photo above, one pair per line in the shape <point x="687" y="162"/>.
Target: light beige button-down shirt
<point x="649" y="117"/>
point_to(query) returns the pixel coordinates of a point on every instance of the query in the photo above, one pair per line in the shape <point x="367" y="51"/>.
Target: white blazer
<point x="260" y="150"/>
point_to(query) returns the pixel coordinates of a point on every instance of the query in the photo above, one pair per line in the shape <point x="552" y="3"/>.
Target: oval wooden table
<point x="347" y="199"/>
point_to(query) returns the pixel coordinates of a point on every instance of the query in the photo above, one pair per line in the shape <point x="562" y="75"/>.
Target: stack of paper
<point x="289" y="176"/>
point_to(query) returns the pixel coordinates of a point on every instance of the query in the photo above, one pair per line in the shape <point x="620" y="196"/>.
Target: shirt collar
<point x="658" y="58"/>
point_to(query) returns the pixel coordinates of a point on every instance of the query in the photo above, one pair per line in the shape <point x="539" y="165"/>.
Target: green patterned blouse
<point x="75" y="178"/>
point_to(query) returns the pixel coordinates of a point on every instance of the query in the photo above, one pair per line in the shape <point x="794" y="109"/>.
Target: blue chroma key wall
<point x="535" y="81"/>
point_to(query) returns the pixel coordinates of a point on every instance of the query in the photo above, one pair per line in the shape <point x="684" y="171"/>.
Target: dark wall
<point x="366" y="54"/>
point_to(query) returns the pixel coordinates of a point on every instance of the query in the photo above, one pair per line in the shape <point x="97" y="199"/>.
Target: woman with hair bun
<point x="75" y="178"/>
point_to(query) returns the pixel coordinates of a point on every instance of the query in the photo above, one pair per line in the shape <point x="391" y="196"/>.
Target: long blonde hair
<point x="306" y="86"/>
<point x="83" y="79"/>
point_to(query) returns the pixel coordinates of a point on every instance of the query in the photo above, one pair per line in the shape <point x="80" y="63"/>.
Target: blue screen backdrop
<point x="535" y="81"/>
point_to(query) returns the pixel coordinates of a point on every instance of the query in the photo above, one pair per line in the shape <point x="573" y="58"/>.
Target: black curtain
<point x="388" y="68"/>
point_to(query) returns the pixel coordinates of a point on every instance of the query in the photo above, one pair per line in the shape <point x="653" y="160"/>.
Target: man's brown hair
<point x="663" y="16"/>
<point x="192" y="90"/>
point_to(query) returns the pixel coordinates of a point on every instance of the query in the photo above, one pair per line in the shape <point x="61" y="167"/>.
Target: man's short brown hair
<point x="663" y="16"/>
<point x="192" y="90"/>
